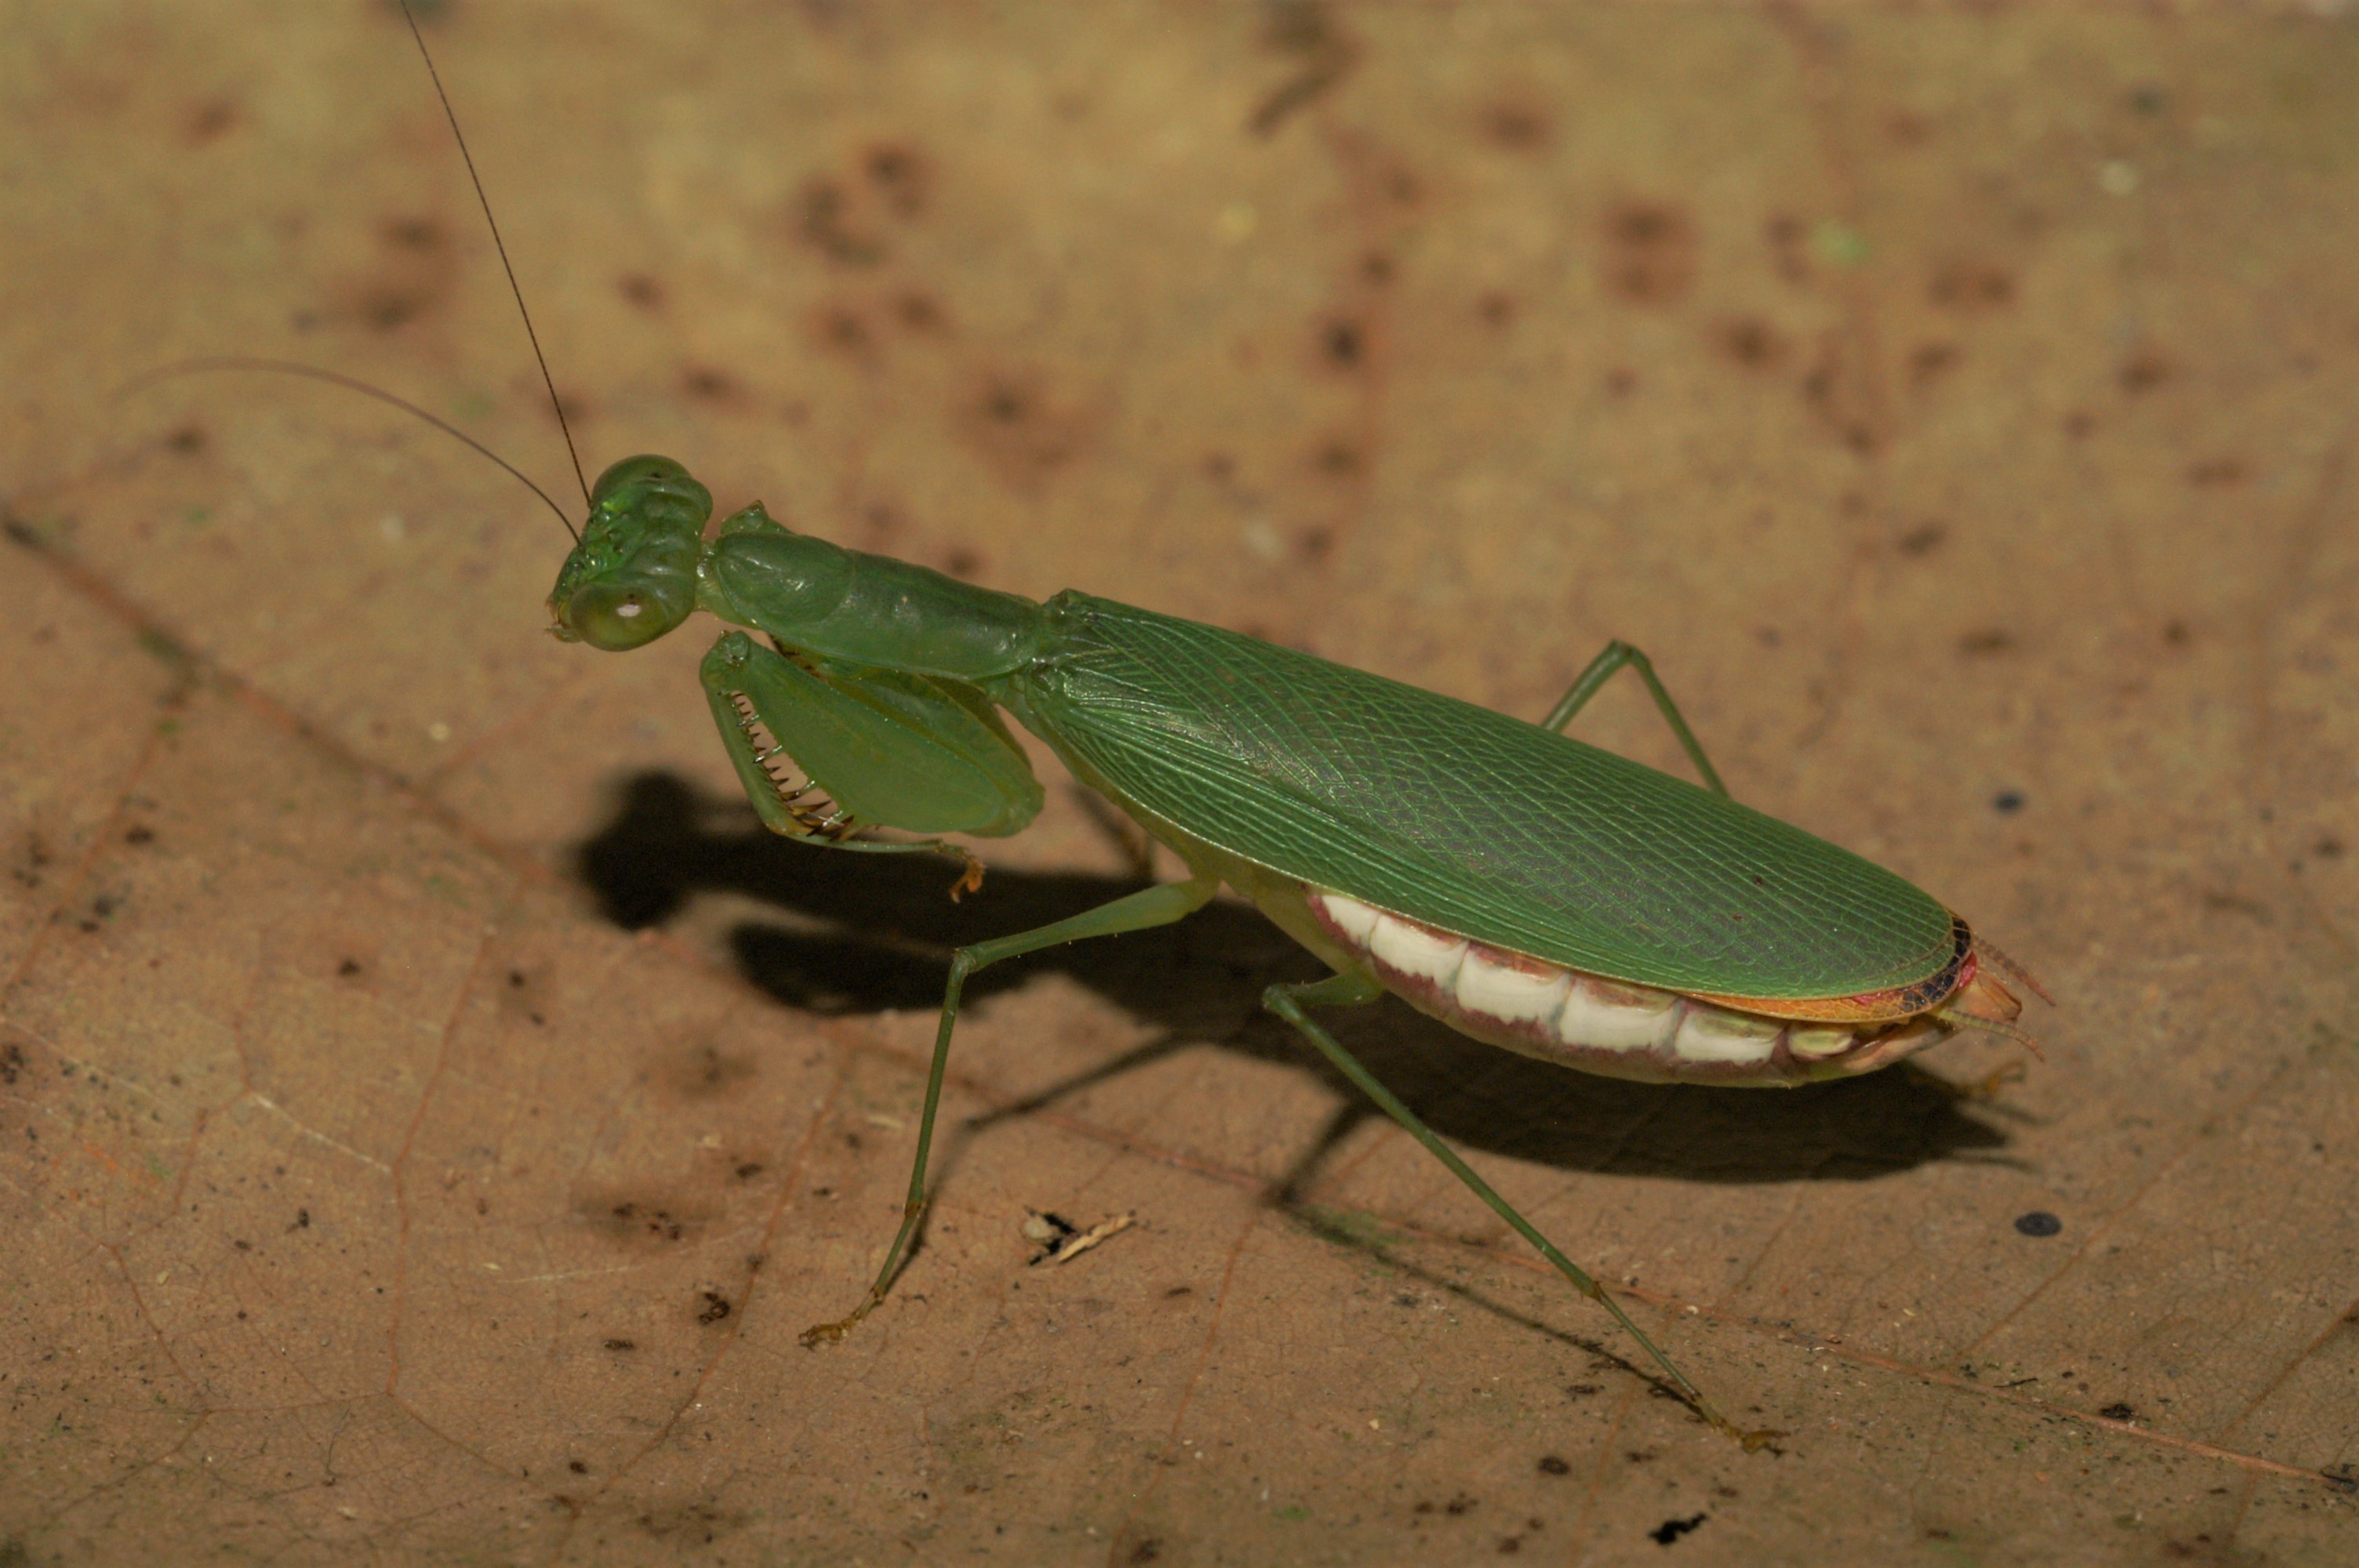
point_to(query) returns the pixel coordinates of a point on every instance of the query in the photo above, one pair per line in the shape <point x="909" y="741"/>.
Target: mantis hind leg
<point x="1141" y="911"/>
<point x="1349" y="989"/>
<point x="1601" y="670"/>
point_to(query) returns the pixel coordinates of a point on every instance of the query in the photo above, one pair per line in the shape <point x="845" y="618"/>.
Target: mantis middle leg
<point x="1141" y="911"/>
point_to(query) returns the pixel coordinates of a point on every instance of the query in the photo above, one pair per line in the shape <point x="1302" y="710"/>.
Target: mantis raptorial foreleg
<point x="1141" y="911"/>
<point x="1352" y="990"/>
<point x="1601" y="670"/>
<point x="879" y="746"/>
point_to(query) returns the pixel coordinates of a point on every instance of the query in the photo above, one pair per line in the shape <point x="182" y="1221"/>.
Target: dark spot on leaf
<point x="188" y="440"/>
<point x="1907" y="127"/>
<point x="208" y="121"/>
<point x="2118" y="1411"/>
<point x="1751" y="343"/>
<point x="136" y="835"/>
<point x="1927" y="360"/>
<point x="2008" y="802"/>
<point x="1971" y="287"/>
<point x="2079" y="422"/>
<point x="2215" y="472"/>
<point x="641" y="289"/>
<point x="827" y="223"/>
<point x="2235" y="903"/>
<point x="411" y="233"/>
<point x="1301" y="28"/>
<point x="917" y="312"/>
<point x="1923" y="539"/>
<point x="1784" y="232"/>
<point x="716" y="1307"/>
<point x="1991" y="639"/>
<point x="1343" y="343"/>
<point x="387" y="309"/>
<point x="843" y="331"/>
<point x="578" y="1467"/>
<point x="1004" y="403"/>
<point x="2145" y="371"/>
<point x="1338" y="459"/>
<point x="1554" y="1465"/>
<point x="1146" y="1551"/>
<point x="1621" y="382"/>
<point x="902" y="174"/>
<point x="1671" y="1529"/>
<point x="1517" y="126"/>
<point x="1297" y="26"/>
<point x="1497" y="308"/>
<point x="1651" y="251"/>
<point x="747" y="1170"/>
<point x="2038" y="1223"/>
<point x="622" y="1345"/>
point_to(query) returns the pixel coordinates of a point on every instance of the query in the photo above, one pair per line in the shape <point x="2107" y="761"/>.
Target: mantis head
<point x="633" y="577"/>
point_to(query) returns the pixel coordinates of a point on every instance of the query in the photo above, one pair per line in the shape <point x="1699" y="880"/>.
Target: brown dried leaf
<point x="429" y="1108"/>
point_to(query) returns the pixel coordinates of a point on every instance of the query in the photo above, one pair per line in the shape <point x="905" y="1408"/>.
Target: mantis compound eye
<point x="615" y="617"/>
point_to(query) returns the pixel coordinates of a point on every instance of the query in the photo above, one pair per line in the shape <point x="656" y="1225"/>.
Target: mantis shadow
<point x="861" y="933"/>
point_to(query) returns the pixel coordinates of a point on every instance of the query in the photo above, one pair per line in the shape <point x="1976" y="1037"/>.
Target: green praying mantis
<point x="1523" y="888"/>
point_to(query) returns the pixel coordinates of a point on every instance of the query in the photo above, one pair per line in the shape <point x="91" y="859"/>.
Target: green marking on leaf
<point x="1838" y="243"/>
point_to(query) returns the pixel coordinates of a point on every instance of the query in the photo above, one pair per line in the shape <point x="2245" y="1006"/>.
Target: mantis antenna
<point x="350" y="384"/>
<point x="555" y="402"/>
<point x="290" y="367"/>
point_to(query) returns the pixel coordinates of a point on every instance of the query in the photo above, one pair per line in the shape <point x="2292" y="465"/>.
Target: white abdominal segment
<point x="1549" y="1011"/>
<point x="1519" y="992"/>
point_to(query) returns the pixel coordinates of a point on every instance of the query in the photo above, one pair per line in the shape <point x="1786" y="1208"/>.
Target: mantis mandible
<point x="1524" y="888"/>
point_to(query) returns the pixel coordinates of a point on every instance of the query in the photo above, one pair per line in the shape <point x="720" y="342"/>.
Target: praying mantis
<point x="1521" y="887"/>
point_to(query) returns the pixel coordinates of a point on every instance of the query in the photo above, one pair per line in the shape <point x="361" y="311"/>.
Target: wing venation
<point x="1466" y="818"/>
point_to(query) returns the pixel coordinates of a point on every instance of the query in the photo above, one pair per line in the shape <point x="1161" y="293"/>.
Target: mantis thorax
<point x="642" y="567"/>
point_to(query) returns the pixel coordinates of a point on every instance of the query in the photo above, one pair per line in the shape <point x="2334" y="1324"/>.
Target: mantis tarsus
<point x="1525" y="889"/>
